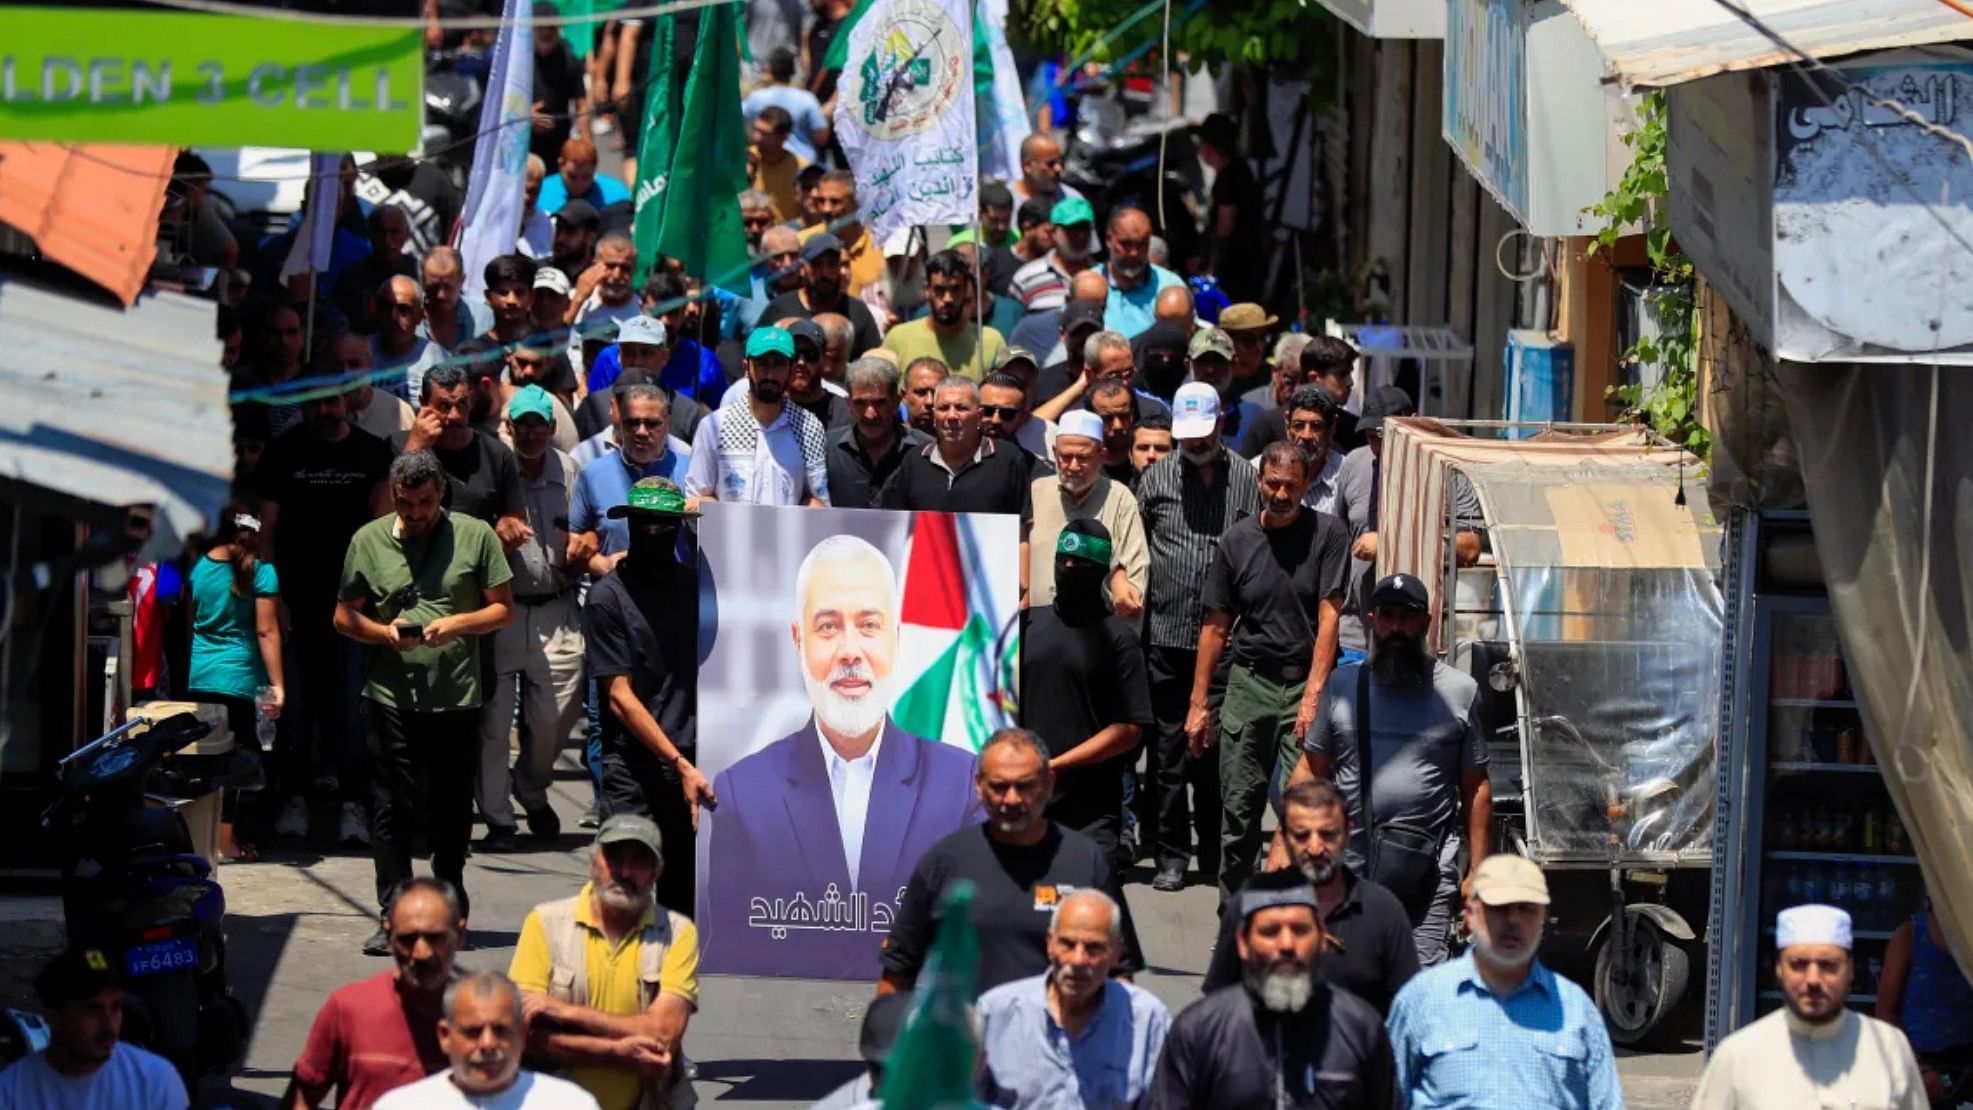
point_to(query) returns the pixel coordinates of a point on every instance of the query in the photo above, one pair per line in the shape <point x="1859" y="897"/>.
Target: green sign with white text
<point x="187" y="79"/>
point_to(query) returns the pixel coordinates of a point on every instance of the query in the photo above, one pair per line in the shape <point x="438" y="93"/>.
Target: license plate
<point x="158" y="957"/>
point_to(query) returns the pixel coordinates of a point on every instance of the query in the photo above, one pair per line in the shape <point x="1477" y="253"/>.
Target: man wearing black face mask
<point x="644" y="657"/>
<point x="1086" y="694"/>
<point x="1427" y="757"/>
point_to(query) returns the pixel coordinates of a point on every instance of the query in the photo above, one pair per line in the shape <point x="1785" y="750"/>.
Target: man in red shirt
<point x="381" y="1033"/>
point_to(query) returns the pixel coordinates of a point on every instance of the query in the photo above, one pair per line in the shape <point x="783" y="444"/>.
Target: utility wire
<point x="448" y="23"/>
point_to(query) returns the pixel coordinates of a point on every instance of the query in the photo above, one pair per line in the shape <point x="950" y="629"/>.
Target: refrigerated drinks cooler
<point x="1803" y="813"/>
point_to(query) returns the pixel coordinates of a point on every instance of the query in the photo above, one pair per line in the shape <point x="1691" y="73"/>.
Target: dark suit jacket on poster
<point x="774" y="841"/>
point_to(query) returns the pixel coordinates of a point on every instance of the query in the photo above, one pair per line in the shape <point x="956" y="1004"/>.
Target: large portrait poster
<point x="859" y="659"/>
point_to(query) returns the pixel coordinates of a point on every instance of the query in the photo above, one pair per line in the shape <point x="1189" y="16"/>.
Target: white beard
<point x="1286" y="992"/>
<point x="848" y="716"/>
<point x="1483" y="945"/>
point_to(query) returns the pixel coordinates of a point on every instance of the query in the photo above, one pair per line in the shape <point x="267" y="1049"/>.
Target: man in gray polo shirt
<point x="1428" y="762"/>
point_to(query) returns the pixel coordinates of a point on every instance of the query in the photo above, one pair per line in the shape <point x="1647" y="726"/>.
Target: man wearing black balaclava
<point x="1087" y="694"/>
<point x="1413" y="717"/>
<point x="643" y="645"/>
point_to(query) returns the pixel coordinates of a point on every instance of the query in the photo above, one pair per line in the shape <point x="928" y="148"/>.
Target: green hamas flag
<point x="701" y="223"/>
<point x="931" y="1065"/>
<point x="655" y="145"/>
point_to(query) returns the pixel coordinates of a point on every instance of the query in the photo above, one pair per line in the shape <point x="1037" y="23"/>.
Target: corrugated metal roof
<point x="1666" y="42"/>
<point x="90" y="207"/>
<point x="115" y="406"/>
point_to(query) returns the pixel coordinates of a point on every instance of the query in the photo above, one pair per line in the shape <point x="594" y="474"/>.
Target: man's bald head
<point x="1090" y="908"/>
<point x="1089" y="286"/>
<point x="441" y="261"/>
<point x="1174" y="303"/>
<point x="779" y="239"/>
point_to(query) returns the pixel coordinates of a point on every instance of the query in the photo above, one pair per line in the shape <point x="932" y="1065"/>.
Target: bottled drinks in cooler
<point x="1863" y="897"/>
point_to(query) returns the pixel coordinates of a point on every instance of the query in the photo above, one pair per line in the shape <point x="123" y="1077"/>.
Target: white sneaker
<point x="601" y="125"/>
<point x="354" y="829"/>
<point x="294" y="818"/>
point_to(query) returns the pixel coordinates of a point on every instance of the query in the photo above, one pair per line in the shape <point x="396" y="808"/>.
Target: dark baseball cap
<point x="1384" y="401"/>
<point x="1077" y="315"/>
<point x="819" y="244"/>
<point x="76" y="975"/>
<point x="1401" y="590"/>
<point x="882" y="1022"/>
<point x="581" y="213"/>
<point x="808" y="331"/>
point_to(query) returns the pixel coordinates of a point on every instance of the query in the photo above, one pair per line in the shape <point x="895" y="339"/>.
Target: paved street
<point x="296" y="920"/>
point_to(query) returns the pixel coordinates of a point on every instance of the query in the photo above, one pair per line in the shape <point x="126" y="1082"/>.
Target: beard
<point x="849" y="716"/>
<point x="769" y="391"/>
<point x="1201" y="455"/>
<point x="1130" y="272"/>
<point x="1319" y="871"/>
<point x="1400" y="660"/>
<point x="1069" y="250"/>
<point x="623" y="898"/>
<point x="1484" y="946"/>
<point x="1282" y="991"/>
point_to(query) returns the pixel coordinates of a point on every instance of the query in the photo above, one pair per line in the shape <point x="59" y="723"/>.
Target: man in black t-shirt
<point x="1273" y="597"/>
<point x="825" y="288"/>
<point x="558" y="87"/>
<point x="1021" y="866"/>
<point x="1236" y="242"/>
<point x="962" y="471"/>
<point x="645" y="659"/>
<point x="484" y="479"/>
<point x="323" y="480"/>
<point x="1084" y="689"/>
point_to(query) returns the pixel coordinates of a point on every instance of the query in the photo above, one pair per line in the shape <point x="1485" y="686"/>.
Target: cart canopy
<point x="1604" y="597"/>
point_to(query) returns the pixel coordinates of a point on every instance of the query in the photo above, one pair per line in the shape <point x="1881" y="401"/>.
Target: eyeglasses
<point x="1003" y="412"/>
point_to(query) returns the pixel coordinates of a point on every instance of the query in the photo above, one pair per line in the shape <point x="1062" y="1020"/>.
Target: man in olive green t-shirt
<point x="420" y="588"/>
<point x="950" y="332"/>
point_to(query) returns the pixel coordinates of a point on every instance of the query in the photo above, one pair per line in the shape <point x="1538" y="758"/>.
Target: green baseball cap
<point x="623" y="828"/>
<point x="1082" y="545"/>
<point x="655" y="496"/>
<point x="531" y="400"/>
<point x="770" y="341"/>
<point x="1071" y="210"/>
<point x="1211" y="341"/>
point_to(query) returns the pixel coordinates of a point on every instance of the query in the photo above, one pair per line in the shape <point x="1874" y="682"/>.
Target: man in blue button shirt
<point x="1495" y="1027"/>
<point x="1072" y="1036"/>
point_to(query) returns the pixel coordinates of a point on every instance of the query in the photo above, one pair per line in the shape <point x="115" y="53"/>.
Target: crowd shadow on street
<point x="796" y="1081"/>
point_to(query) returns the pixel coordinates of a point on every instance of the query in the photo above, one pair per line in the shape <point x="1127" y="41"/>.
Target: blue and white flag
<point x="1003" y="111"/>
<point x="490" y="224"/>
<point x="315" y="239"/>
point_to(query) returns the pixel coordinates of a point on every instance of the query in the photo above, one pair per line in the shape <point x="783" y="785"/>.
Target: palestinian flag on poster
<point x="967" y="688"/>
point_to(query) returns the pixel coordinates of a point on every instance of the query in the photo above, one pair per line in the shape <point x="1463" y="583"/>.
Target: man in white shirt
<point x="767" y="451"/>
<point x="85" y="1066"/>
<point x="482" y="1033"/>
<point x="1814" y="1051"/>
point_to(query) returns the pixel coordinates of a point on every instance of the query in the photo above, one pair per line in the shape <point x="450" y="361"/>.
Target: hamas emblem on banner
<point x="915" y="70"/>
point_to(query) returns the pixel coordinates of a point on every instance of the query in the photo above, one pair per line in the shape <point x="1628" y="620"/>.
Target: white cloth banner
<point x="1004" y="121"/>
<point x="315" y="239"/>
<point x="904" y="114"/>
<point x="490" y="224"/>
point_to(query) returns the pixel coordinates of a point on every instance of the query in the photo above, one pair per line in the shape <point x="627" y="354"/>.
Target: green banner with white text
<point x="187" y="79"/>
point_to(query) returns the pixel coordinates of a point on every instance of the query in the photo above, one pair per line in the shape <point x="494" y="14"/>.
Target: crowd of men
<point x="482" y="508"/>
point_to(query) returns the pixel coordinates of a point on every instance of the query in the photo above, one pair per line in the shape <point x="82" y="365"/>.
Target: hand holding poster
<point x="871" y="648"/>
<point x="905" y="114"/>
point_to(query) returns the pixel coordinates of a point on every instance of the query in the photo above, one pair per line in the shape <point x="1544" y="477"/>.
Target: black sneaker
<point x="543" y="824"/>
<point x="378" y="944"/>
<point x="499" y="840"/>
<point x="1171" y="876"/>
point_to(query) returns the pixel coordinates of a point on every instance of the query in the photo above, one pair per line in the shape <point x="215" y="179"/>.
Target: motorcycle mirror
<point x="1503" y="676"/>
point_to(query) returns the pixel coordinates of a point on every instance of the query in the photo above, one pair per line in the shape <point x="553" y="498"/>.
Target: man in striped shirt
<point x="1044" y="283"/>
<point x="1186" y="501"/>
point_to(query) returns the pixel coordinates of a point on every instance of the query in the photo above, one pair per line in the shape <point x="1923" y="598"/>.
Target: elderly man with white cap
<point x="1496" y="1027"/>
<point x="1813" y="1052"/>
<point x="1079" y="490"/>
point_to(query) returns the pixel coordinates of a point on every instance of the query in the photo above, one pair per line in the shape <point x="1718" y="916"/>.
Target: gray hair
<point x="617" y="239"/>
<point x="446" y="892"/>
<point x="928" y="360"/>
<point x="754" y="198"/>
<point x="446" y="375"/>
<point x="872" y="371"/>
<point x="1018" y="737"/>
<point x="640" y="391"/>
<point x="414" y="468"/>
<point x="954" y="381"/>
<point x="1095" y="345"/>
<point x="845" y="548"/>
<point x="836" y="327"/>
<point x="1091" y="894"/>
<point x="490" y="984"/>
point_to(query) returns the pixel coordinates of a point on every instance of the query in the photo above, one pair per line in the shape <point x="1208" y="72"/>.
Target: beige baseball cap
<point x="1504" y="880"/>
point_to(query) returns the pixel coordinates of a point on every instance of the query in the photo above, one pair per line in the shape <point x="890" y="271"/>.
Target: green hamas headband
<point x="657" y="500"/>
<point x="1083" y="546"/>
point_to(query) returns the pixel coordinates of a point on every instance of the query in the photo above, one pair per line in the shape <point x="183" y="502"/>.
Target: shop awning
<point x="1667" y="42"/>
<point x="91" y="207"/>
<point x="115" y="406"/>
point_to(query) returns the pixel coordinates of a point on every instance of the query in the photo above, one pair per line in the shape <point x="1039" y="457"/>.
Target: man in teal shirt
<point x="1135" y="281"/>
<point x="1495" y="1027"/>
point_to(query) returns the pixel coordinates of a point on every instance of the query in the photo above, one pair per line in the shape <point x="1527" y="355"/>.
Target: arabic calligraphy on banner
<point x="832" y="913"/>
<point x="905" y="115"/>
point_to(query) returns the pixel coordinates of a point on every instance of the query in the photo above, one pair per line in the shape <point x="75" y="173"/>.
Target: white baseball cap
<point x="1195" y="411"/>
<point x="1080" y="422"/>
<point x="553" y="279"/>
<point x="642" y="329"/>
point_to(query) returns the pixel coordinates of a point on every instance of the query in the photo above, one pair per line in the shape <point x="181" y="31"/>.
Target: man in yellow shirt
<point x="834" y="202"/>
<point x="778" y="165"/>
<point x="609" y="978"/>
<point x="949" y="332"/>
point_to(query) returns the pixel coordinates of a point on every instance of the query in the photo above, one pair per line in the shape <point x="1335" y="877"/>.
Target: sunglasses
<point x="1004" y="412"/>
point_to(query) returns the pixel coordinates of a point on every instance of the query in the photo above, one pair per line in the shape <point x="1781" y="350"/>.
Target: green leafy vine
<point x="1672" y="407"/>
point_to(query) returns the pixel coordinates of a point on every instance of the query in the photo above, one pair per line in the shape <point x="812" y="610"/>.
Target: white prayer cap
<point x="1080" y="422"/>
<point x="1812" y="924"/>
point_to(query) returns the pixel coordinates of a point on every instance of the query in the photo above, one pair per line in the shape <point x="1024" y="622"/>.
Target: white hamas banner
<point x="904" y="114"/>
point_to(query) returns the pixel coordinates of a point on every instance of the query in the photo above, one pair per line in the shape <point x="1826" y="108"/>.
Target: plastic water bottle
<point x="263" y="725"/>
